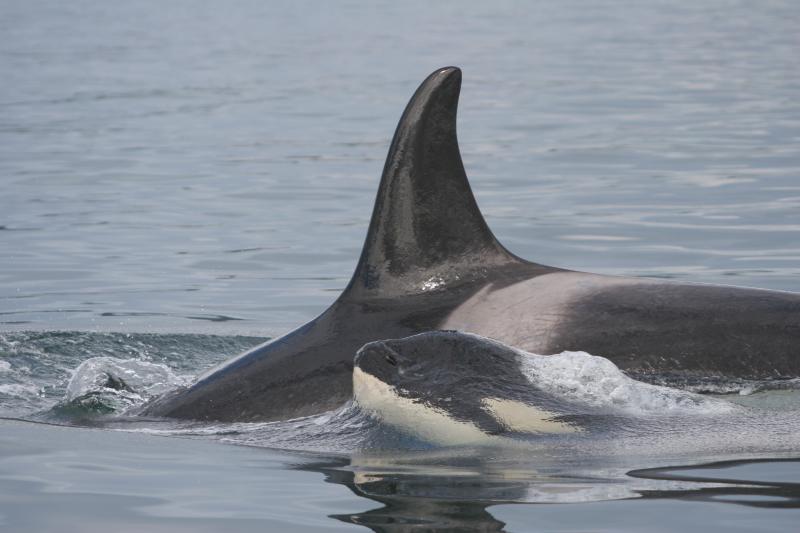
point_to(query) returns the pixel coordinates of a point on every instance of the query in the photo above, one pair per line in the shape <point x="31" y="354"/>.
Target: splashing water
<point x="597" y="382"/>
<point x="109" y="384"/>
<point x="38" y="366"/>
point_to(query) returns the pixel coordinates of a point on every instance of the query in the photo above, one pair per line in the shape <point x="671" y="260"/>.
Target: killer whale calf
<point x="455" y="388"/>
<point x="430" y="262"/>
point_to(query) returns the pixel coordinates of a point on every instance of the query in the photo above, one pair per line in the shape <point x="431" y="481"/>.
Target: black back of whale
<point x="431" y="262"/>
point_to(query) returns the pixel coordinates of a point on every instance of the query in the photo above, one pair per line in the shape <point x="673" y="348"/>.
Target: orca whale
<point x="449" y="387"/>
<point x="456" y="388"/>
<point x="430" y="262"/>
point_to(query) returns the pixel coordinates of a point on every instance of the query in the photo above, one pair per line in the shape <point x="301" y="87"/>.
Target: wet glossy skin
<point x="436" y="364"/>
<point x="424" y="382"/>
<point x="430" y="262"/>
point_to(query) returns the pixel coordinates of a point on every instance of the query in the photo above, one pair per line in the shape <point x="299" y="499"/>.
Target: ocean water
<point x="180" y="181"/>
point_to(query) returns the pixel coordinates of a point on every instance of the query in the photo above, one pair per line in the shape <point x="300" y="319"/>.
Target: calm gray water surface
<point x="210" y="167"/>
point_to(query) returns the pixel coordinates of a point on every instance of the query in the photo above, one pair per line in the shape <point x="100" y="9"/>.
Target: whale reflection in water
<point x="432" y="491"/>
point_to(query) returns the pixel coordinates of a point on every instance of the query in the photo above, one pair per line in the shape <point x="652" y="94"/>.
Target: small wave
<point x="597" y="382"/>
<point x="341" y="430"/>
<point x="19" y="390"/>
<point x="109" y="384"/>
<point x="710" y="385"/>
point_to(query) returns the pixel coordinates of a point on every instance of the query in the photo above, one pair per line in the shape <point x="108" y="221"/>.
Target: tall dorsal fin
<point x="426" y="230"/>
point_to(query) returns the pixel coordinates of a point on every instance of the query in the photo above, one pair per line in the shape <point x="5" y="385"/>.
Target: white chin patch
<point x="431" y="425"/>
<point x="434" y="425"/>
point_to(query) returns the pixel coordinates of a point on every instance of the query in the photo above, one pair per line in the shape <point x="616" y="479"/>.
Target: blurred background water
<point x="208" y="168"/>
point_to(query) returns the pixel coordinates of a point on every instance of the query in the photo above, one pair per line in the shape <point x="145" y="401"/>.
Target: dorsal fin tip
<point x="426" y="229"/>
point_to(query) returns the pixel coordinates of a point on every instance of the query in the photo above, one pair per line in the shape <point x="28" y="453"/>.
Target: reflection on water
<point x="735" y="482"/>
<point x="455" y="498"/>
<point x="459" y="498"/>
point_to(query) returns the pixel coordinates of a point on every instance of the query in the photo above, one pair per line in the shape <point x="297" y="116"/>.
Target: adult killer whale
<point x="430" y="262"/>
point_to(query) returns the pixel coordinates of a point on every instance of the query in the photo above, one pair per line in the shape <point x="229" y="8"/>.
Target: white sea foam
<point x="5" y="366"/>
<point x="144" y="379"/>
<point x="596" y="381"/>
<point x="19" y="390"/>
